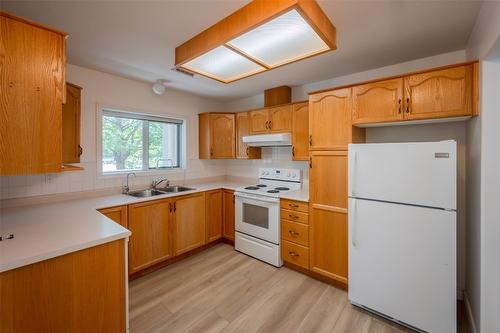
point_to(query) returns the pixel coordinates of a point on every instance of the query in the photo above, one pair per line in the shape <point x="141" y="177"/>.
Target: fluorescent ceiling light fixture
<point x="223" y="64"/>
<point x="260" y="36"/>
<point x="284" y="39"/>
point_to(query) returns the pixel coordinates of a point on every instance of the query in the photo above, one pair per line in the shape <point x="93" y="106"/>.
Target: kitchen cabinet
<point x="243" y="151"/>
<point x="277" y="119"/>
<point x="83" y="291"/>
<point x="214" y="213"/>
<point x="151" y="241"/>
<point x="189" y="222"/>
<point x="380" y="101"/>
<point x="117" y="214"/>
<point x="217" y="136"/>
<point x="328" y="214"/>
<point x="300" y="131"/>
<point x="294" y="221"/>
<point x="33" y="92"/>
<point x="330" y="121"/>
<point x="228" y="218"/>
<point x="433" y="94"/>
<point x="71" y="149"/>
<point x="439" y="94"/>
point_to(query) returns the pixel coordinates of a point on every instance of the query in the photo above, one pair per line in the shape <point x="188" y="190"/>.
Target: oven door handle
<point x="259" y="198"/>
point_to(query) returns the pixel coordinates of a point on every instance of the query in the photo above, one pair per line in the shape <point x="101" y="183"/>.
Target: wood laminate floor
<point x="221" y="290"/>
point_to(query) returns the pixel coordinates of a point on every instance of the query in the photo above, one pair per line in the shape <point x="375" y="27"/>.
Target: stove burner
<point x="261" y="185"/>
<point x="273" y="191"/>
<point x="282" y="188"/>
<point x="251" y="188"/>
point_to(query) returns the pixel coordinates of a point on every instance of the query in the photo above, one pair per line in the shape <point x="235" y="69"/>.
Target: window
<point x="135" y="142"/>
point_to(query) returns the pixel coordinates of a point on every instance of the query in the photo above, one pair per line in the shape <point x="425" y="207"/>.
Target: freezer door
<point x="415" y="173"/>
<point x="402" y="263"/>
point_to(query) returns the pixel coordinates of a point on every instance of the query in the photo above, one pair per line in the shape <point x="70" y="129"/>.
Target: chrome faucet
<point x="156" y="182"/>
<point x="126" y="188"/>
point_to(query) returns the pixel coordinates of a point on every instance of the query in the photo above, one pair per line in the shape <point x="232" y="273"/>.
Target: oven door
<point x="258" y="216"/>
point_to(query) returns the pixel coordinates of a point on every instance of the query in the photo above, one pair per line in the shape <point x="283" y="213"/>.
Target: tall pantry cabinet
<point x="330" y="131"/>
<point x="33" y="91"/>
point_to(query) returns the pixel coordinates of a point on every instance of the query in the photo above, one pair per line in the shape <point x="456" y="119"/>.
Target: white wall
<point x="111" y="90"/>
<point x="456" y="131"/>
<point x="483" y="255"/>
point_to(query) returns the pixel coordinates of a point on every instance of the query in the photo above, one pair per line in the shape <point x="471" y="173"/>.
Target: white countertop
<point x="46" y="231"/>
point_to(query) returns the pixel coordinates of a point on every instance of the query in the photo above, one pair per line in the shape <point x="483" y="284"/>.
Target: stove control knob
<point x="294" y="175"/>
<point x="288" y="175"/>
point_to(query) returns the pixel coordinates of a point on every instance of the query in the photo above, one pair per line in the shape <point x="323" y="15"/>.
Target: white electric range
<point x="257" y="210"/>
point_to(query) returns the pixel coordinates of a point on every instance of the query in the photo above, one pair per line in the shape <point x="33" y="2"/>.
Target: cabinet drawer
<point x="295" y="254"/>
<point x="295" y="232"/>
<point x="295" y="216"/>
<point x="295" y="205"/>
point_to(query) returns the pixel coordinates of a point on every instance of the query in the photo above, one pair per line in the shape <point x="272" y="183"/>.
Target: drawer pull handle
<point x="293" y="233"/>
<point x="293" y="254"/>
<point x="293" y="216"/>
<point x="294" y="206"/>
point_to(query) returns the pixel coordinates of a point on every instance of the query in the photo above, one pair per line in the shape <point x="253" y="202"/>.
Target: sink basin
<point x="175" y="189"/>
<point x="145" y="193"/>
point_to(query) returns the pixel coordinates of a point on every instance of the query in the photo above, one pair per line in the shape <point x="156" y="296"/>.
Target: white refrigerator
<point x="402" y="232"/>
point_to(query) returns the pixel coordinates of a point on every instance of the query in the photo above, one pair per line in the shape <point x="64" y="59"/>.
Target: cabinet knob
<point x="80" y="150"/>
<point x="11" y="84"/>
<point x="293" y="205"/>
<point x="310" y="140"/>
<point x="293" y="216"/>
<point x="293" y="150"/>
<point x="248" y="150"/>
<point x="293" y="233"/>
<point x="293" y="254"/>
<point x="407" y="105"/>
<point x="399" y="102"/>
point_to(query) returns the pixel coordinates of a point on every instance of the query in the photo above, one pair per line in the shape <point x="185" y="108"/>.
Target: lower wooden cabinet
<point x="328" y="243"/>
<point x="82" y="291"/>
<point x="189" y="222"/>
<point x="228" y="221"/>
<point x="117" y="214"/>
<point x="214" y="214"/>
<point x="295" y="232"/>
<point x="295" y="254"/>
<point x="151" y="240"/>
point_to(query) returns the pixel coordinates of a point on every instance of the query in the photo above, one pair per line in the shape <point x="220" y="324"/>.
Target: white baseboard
<point x="470" y="315"/>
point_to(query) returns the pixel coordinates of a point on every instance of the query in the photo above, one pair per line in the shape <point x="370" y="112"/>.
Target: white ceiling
<point x="137" y="38"/>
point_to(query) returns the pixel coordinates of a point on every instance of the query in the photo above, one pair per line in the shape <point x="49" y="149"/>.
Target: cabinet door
<point x="71" y="149"/>
<point x="189" y="212"/>
<point x="214" y="215"/>
<point x="259" y="121"/>
<point x="280" y="119"/>
<point x="117" y="214"/>
<point x="243" y="151"/>
<point x="328" y="214"/>
<point x="300" y="132"/>
<point x="32" y="81"/>
<point x="222" y="135"/>
<point x="150" y="242"/>
<point x="377" y="102"/>
<point x="438" y="94"/>
<point x="228" y="226"/>
<point x="330" y="120"/>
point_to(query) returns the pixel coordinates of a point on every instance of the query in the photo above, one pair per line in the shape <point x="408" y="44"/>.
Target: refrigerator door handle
<point x="352" y="212"/>
<point x="352" y="168"/>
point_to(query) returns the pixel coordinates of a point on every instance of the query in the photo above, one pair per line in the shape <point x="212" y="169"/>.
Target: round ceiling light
<point x="159" y="87"/>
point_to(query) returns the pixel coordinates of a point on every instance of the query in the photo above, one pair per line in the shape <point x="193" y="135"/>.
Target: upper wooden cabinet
<point x="71" y="149"/>
<point x="439" y="94"/>
<point x="217" y="136"/>
<point x="300" y="131"/>
<point x="189" y="222"/>
<point x="243" y="151"/>
<point x="276" y="119"/>
<point x="33" y="63"/>
<point x="378" y="101"/>
<point x="330" y="121"/>
<point x="259" y="121"/>
<point x="151" y="241"/>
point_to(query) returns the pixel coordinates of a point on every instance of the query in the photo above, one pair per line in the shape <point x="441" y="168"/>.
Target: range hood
<point x="268" y="140"/>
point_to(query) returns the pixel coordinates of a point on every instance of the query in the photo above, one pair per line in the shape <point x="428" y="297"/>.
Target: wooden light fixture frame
<point x="248" y="18"/>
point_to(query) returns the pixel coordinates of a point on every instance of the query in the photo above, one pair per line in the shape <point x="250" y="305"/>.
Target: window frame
<point x="103" y="110"/>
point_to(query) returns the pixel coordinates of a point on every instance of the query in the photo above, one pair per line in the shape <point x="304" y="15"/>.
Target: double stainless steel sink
<point x="159" y="191"/>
